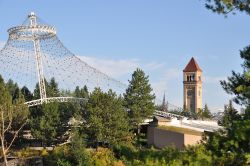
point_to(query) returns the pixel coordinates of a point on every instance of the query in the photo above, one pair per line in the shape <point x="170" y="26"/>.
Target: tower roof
<point x="192" y="66"/>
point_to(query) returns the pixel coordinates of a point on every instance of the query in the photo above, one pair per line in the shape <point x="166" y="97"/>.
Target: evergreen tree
<point x="227" y="6"/>
<point x="239" y="84"/>
<point x="204" y="113"/>
<point x="230" y="115"/>
<point x="36" y="92"/>
<point x="81" y="93"/>
<point x="139" y="98"/>
<point x="230" y="145"/>
<point x="52" y="88"/>
<point x="85" y="92"/>
<point x="77" y="149"/>
<point x="77" y="91"/>
<point x="47" y="125"/>
<point x="13" y="89"/>
<point x="26" y="93"/>
<point x="106" y="120"/>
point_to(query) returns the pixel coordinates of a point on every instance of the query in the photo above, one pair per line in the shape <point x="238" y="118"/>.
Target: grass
<point x="181" y="130"/>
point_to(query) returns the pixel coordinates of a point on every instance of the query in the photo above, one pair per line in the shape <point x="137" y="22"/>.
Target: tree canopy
<point x="227" y="6"/>
<point x="107" y="119"/>
<point x="139" y="99"/>
<point x="230" y="145"/>
<point x="13" y="116"/>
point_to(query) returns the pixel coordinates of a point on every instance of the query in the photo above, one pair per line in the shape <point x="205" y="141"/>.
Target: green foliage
<point x="230" y="115"/>
<point x="77" y="149"/>
<point x="13" y="116"/>
<point x="74" y="154"/>
<point x="227" y="6"/>
<point x="27" y="152"/>
<point x="82" y="93"/>
<point x="28" y="96"/>
<point x="238" y="84"/>
<point x="49" y="122"/>
<point x="63" y="162"/>
<point x="46" y="126"/>
<point x="106" y="120"/>
<point x="193" y="155"/>
<point x="15" y="112"/>
<point x="104" y="157"/>
<point x="204" y="113"/>
<point x="230" y="145"/>
<point x="52" y="88"/>
<point x="139" y="98"/>
<point x="13" y="89"/>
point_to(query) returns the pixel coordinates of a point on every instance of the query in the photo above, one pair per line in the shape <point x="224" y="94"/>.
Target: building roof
<point x="160" y="119"/>
<point x="182" y="130"/>
<point x="192" y="66"/>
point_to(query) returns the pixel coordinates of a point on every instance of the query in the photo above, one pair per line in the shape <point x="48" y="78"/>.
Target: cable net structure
<point x="34" y="54"/>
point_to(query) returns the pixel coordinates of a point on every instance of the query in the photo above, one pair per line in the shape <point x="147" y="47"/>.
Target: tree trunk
<point x="4" y="153"/>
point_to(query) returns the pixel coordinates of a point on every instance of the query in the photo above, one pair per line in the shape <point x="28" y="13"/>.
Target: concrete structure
<point x="160" y="138"/>
<point x="192" y="87"/>
<point x="178" y="132"/>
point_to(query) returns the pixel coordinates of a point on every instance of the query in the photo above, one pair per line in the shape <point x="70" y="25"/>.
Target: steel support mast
<point x="39" y="66"/>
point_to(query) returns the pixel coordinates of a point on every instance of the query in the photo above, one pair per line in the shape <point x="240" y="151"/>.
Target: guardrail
<point x="54" y="99"/>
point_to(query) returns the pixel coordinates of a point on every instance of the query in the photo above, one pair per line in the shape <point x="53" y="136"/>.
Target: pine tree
<point x="106" y="120"/>
<point x="52" y="88"/>
<point x="230" y="145"/>
<point x="85" y="92"/>
<point x="227" y="6"/>
<point x="77" y="92"/>
<point x="46" y="125"/>
<point x="139" y="99"/>
<point x="82" y="93"/>
<point x="204" y="113"/>
<point x="230" y="115"/>
<point x="26" y="93"/>
<point x="13" y="89"/>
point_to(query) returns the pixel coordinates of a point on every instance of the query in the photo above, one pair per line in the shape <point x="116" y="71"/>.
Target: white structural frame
<point x="39" y="65"/>
<point x="34" y="32"/>
<point x="167" y="114"/>
<point x="54" y="99"/>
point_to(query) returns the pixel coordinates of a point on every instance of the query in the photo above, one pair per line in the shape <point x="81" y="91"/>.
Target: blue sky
<point x="158" y="36"/>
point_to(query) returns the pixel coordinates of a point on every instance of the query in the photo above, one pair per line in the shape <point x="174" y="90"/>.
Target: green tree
<point x="230" y="115"/>
<point x="26" y="93"/>
<point x="139" y="99"/>
<point x="47" y="125"/>
<point x="204" y="113"/>
<point x="79" y="155"/>
<point x="52" y="89"/>
<point x="13" y="89"/>
<point x="13" y="116"/>
<point x="82" y="93"/>
<point x="230" y="145"/>
<point x="239" y="83"/>
<point x="72" y="154"/>
<point x="227" y="6"/>
<point x="106" y="119"/>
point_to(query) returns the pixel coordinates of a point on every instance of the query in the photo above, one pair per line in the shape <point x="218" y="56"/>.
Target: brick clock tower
<point x="192" y="87"/>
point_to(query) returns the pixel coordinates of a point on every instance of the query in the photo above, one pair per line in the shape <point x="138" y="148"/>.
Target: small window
<point x="199" y="78"/>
